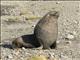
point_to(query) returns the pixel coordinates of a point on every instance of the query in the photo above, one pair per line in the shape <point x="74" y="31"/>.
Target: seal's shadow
<point x="6" y="46"/>
<point x="26" y="38"/>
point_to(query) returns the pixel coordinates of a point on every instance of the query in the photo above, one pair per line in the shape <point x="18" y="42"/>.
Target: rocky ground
<point x="19" y="18"/>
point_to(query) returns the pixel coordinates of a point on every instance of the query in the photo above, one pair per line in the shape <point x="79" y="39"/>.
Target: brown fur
<point x="46" y="30"/>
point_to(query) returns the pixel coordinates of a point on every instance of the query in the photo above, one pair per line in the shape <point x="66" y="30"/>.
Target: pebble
<point x="70" y="36"/>
<point x="16" y="52"/>
<point x="58" y="42"/>
<point x="9" y="56"/>
<point x="33" y="26"/>
<point x="23" y="48"/>
<point x="68" y="42"/>
<point x="74" y="32"/>
<point x="57" y="2"/>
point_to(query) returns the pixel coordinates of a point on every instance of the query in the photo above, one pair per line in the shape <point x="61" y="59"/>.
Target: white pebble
<point x="69" y="36"/>
<point x="23" y="48"/>
<point x="74" y="32"/>
<point x="33" y="26"/>
<point x="58" y="41"/>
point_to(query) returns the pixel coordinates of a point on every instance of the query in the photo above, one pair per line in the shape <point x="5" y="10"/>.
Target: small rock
<point x="33" y="26"/>
<point x="68" y="42"/>
<point x="16" y="52"/>
<point x="70" y="36"/>
<point x="51" y="54"/>
<point x="74" y="32"/>
<point x="57" y="2"/>
<point x="9" y="56"/>
<point x="58" y="42"/>
<point x="54" y="57"/>
<point x="23" y="48"/>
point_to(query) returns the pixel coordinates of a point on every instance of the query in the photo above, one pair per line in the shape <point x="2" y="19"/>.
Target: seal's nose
<point x="57" y="14"/>
<point x="54" y="13"/>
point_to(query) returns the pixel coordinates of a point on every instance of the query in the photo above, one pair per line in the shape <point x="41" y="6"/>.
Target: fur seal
<point x="27" y="41"/>
<point x="46" y="30"/>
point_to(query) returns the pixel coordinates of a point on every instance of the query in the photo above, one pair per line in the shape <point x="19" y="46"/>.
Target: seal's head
<point x="53" y="13"/>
